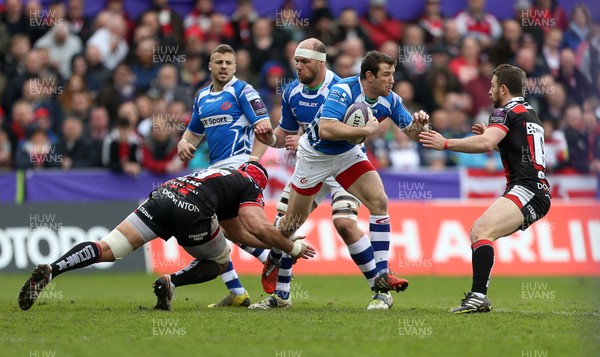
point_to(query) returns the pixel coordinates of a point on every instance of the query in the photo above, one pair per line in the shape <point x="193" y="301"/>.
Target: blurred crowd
<point x="116" y="91"/>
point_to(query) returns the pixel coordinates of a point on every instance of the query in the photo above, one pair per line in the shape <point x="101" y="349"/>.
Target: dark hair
<point x="222" y="49"/>
<point x="372" y="61"/>
<point x="510" y="76"/>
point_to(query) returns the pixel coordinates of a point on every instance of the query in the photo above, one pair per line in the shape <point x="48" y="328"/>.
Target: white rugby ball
<point x="357" y="115"/>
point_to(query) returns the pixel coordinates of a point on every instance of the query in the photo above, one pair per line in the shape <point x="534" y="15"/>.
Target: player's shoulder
<point x="293" y="88"/>
<point x="346" y="87"/>
<point x="239" y="86"/>
<point x="331" y="78"/>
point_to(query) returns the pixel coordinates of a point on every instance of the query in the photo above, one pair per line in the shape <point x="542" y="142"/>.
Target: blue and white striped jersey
<point x="300" y="105"/>
<point x="341" y="96"/>
<point x="227" y="118"/>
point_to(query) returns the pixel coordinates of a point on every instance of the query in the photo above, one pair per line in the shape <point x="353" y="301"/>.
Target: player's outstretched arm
<point x="473" y="144"/>
<point x="237" y="233"/>
<point x="259" y="147"/>
<point x="419" y="124"/>
<point x="187" y="145"/>
<point x="255" y="221"/>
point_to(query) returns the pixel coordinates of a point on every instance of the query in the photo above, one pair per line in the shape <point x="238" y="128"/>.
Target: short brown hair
<point x="372" y="61"/>
<point x="222" y="49"/>
<point x="510" y="76"/>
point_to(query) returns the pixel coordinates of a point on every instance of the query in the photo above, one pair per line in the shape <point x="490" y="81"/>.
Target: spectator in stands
<point x="79" y="66"/>
<point x="117" y="91"/>
<point x="79" y="24"/>
<point x="144" y="66"/>
<point x="159" y="149"/>
<point x="344" y="66"/>
<point x="13" y="17"/>
<point x="97" y="75"/>
<point x="13" y="62"/>
<point x="166" y="85"/>
<point x="81" y="105"/>
<point x="479" y="86"/>
<point x="432" y="22"/>
<point x="579" y="27"/>
<point x="406" y="91"/>
<point x="272" y="75"/>
<point x="148" y="27"/>
<point x="414" y="58"/>
<point x="526" y="60"/>
<point x="75" y="148"/>
<point x="549" y="11"/>
<point x="76" y="83"/>
<point x="554" y="104"/>
<point x="21" y="119"/>
<point x="404" y="58"/>
<point x="403" y="153"/>
<point x="43" y="119"/>
<point x="575" y="83"/>
<point x="577" y="139"/>
<point x="242" y="20"/>
<point x="36" y="151"/>
<point x="322" y="27"/>
<point x="200" y="15"/>
<point x="379" y="26"/>
<point x="348" y="26"/>
<point x="5" y="150"/>
<point x="354" y="48"/>
<point x="556" y="149"/>
<point x="289" y="21"/>
<point x="476" y="22"/>
<point x="146" y="113"/>
<point x="117" y="8"/>
<point x="551" y="51"/>
<point x="465" y="66"/>
<point x="588" y="58"/>
<point x="129" y="111"/>
<point x="171" y="24"/>
<point x="452" y="37"/>
<point x="505" y="49"/>
<point x="121" y="149"/>
<point x="32" y="68"/>
<point x="193" y="72"/>
<point x="595" y="142"/>
<point x="266" y="44"/>
<point x="244" y="68"/>
<point x="97" y="128"/>
<point x="111" y="41"/>
<point x="434" y="159"/>
<point x="220" y="31"/>
<point x="438" y="83"/>
<point x="193" y="39"/>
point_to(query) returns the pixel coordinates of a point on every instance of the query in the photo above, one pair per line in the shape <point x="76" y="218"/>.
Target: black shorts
<point x="168" y="214"/>
<point x="534" y="204"/>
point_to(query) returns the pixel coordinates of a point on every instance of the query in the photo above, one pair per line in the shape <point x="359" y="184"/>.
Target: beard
<point x="496" y="101"/>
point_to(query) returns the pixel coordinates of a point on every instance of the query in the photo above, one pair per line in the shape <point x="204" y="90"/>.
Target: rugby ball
<point x="358" y="115"/>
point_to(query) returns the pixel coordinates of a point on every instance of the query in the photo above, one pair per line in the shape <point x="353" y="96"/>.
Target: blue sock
<point x="379" y="229"/>
<point x="284" y="278"/>
<point x="363" y="256"/>
<point x="231" y="279"/>
<point x="259" y="253"/>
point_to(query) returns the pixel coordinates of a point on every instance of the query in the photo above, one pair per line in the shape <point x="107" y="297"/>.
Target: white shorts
<point x="314" y="167"/>
<point x="232" y="162"/>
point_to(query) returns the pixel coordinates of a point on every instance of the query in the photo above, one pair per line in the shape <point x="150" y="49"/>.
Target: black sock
<point x="80" y="256"/>
<point x="197" y="272"/>
<point x="483" y="260"/>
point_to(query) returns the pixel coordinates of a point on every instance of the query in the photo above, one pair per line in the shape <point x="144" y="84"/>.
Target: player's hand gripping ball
<point x="357" y="115"/>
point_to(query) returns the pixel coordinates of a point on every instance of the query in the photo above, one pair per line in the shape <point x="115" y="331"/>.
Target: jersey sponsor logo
<point x="226" y="106"/>
<point x="197" y="237"/>
<point x="304" y="180"/>
<point x="212" y="100"/>
<point x="533" y="128"/>
<point x="216" y="120"/>
<point x="385" y="220"/>
<point x="307" y="104"/>
<point x="337" y="96"/>
<point x="543" y="186"/>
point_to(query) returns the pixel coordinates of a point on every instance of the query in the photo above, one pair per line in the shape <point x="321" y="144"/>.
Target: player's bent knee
<point x="378" y="204"/>
<point x="344" y="206"/>
<point x="118" y="244"/>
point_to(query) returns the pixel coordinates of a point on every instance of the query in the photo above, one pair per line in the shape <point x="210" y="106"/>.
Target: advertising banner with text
<point x="432" y="238"/>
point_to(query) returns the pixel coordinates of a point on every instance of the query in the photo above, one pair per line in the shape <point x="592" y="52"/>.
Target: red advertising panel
<point x="432" y="238"/>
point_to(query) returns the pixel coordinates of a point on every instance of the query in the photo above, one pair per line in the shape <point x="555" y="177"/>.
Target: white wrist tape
<point x="273" y="141"/>
<point x="297" y="248"/>
<point x="310" y="54"/>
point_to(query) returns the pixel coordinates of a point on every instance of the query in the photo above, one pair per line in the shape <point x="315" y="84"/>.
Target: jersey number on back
<point x="535" y="137"/>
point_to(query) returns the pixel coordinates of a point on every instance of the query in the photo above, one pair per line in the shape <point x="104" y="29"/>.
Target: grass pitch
<point x="102" y="314"/>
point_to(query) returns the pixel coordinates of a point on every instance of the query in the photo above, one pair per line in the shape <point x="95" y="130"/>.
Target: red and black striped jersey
<point x="522" y="150"/>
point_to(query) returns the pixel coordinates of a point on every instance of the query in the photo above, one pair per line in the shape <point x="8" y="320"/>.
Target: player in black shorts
<point x="517" y="133"/>
<point x="190" y="208"/>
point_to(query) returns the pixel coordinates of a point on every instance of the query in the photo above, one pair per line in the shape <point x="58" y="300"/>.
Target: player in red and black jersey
<point x="516" y="131"/>
<point x="190" y="208"/>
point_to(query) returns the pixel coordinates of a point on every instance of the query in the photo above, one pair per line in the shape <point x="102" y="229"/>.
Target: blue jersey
<point x="341" y="96"/>
<point x="299" y="105"/>
<point x="227" y="118"/>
